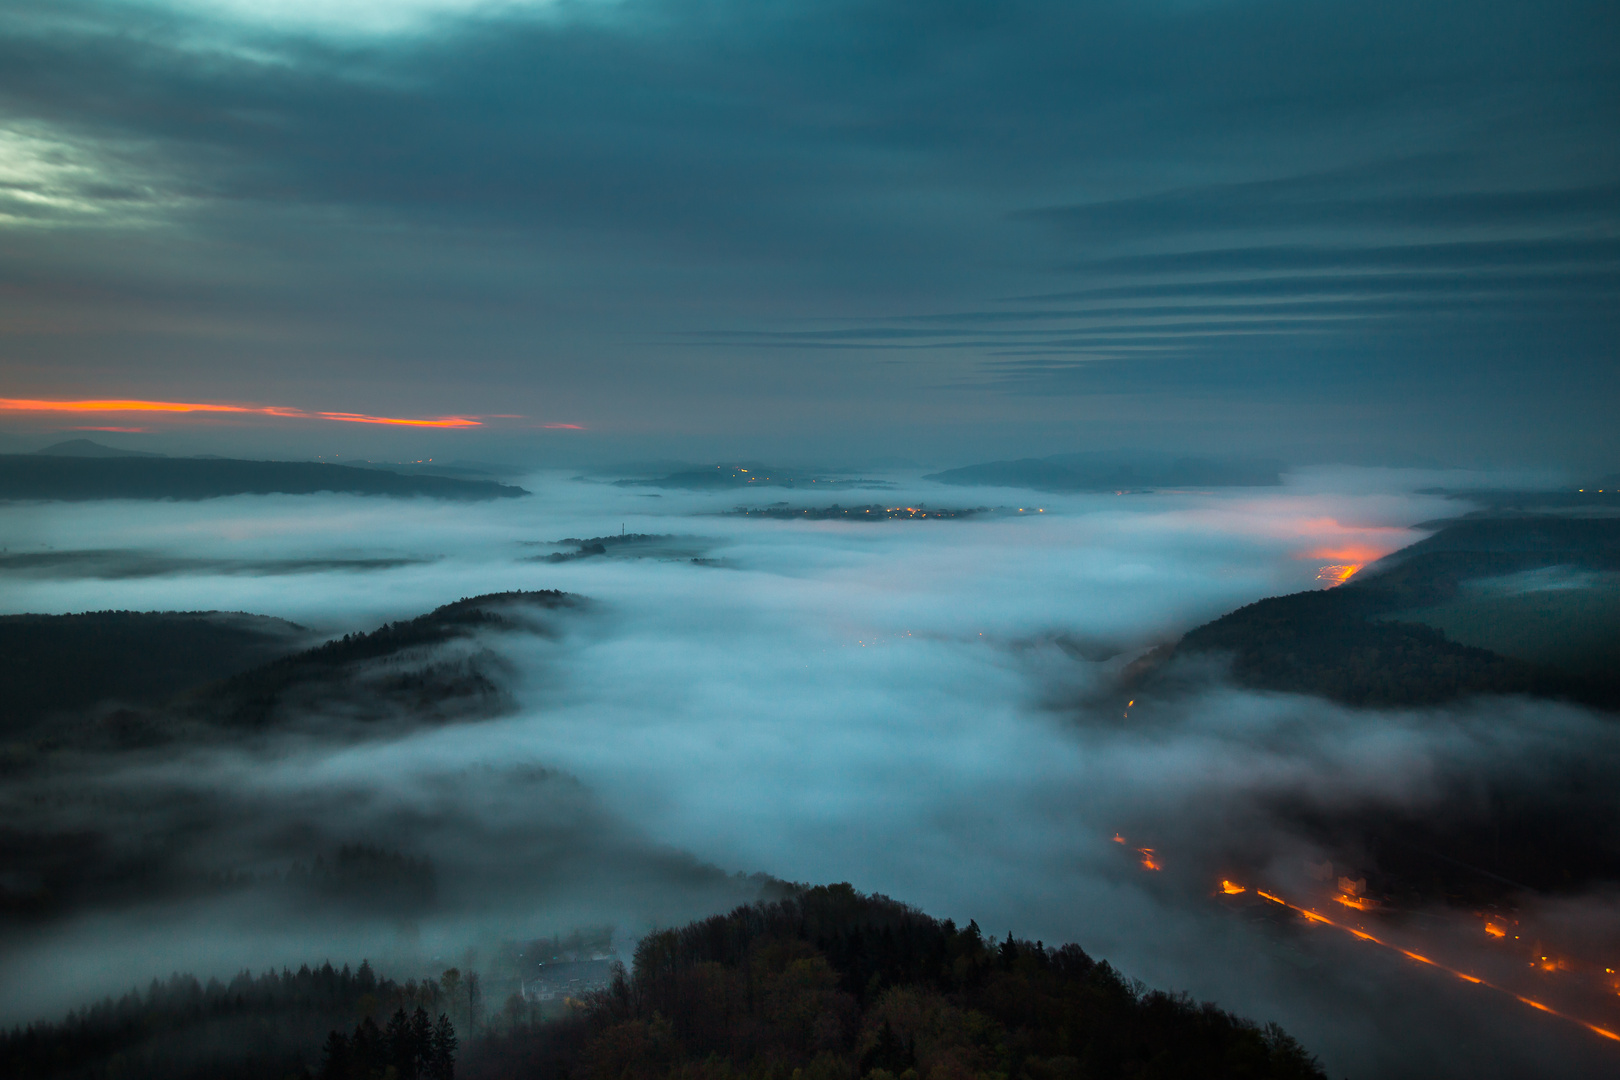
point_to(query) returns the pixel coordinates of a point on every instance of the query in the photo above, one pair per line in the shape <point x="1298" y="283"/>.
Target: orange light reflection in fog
<point x="1337" y="574"/>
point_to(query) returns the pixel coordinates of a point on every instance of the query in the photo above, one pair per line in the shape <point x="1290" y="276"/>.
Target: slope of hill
<point x="53" y="664"/>
<point x="400" y="669"/>
<point x="832" y="984"/>
<point x="824" y="983"/>
<point x="1367" y="642"/>
<point x="87" y="448"/>
<point x="124" y="679"/>
<point x="37" y="477"/>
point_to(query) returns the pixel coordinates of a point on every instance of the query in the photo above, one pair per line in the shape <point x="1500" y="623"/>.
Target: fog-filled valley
<point x="610" y="707"/>
<point x="810" y="540"/>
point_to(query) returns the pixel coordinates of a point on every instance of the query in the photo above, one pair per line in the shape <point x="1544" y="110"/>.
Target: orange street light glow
<point x="120" y="405"/>
<point x="1338" y="573"/>
<point x="1464" y="976"/>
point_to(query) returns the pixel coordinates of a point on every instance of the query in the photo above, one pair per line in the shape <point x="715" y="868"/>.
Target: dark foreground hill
<point x="1374" y="642"/>
<point x="74" y="479"/>
<point x="826" y="984"/>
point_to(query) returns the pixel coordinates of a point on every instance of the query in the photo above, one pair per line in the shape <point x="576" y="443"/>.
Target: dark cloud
<point x="574" y="200"/>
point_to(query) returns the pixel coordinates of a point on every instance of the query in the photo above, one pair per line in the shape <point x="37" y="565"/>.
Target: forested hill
<point x="826" y="984"/>
<point x="73" y="479"/>
<point x="1377" y="640"/>
<point x="269" y="1027"/>
<point x="420" y="678"/>
<point x="844" y="986"/>
<point x="115" y="680"/>
<point x="50" y="664"/>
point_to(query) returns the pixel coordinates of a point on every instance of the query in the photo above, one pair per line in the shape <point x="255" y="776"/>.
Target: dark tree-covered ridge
<point x="865" y="512"/>
<point x="266" y="1027"/>
<point x="32" y="477"/>
<point x="252" y="697"/>
<point x="123" y="680"/>
<point x="829" y="984"/>
<point x="823" y="984"/>
<point x="54" y="663"/>
<point x="1352" y="643"/>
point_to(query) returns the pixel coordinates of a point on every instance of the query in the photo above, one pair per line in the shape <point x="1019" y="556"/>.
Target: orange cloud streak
<point x="136" y="406"/>
<point x="361" y="418"/>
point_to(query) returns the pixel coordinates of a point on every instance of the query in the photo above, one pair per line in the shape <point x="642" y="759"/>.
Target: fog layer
<point x="930" y="709"/>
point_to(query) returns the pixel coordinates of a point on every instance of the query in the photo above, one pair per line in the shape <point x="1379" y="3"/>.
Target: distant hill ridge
<point x="177" y="674"/>
<point x="1094" y="472"/>
<point x="89" y="449"/>
<point x="79" y="474"/>
<point x="747" y="474"/>
<point x="1365" y="643"/>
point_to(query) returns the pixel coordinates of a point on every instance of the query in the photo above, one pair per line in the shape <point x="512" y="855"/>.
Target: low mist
<point x="938" y="710"/>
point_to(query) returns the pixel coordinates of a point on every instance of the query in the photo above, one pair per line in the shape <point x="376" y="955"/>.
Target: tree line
<point x="254" y="1027"/>
<point x="823" y="984"/>
<point x="834" y="985"/>
<point x="410" y="1048"/>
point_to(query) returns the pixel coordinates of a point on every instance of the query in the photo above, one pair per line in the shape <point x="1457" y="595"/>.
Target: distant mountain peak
<point x="87" y="448"/>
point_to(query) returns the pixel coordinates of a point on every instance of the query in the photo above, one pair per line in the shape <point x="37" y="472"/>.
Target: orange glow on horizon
<point x="1232" y="888"/>
<point x="130" y="405"/>
<point x="1351" y="553"/>
<point x="361" y="418"/>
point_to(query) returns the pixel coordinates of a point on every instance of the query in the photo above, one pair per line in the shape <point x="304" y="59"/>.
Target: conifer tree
<point x="444" y="1050"/>
<point x="335" y="1063"/>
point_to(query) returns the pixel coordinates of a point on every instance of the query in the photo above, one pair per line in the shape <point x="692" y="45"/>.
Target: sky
<point x="936" y="232"/>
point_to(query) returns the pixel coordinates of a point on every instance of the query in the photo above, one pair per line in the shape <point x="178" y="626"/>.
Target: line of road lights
<point x="1149" y="861"/>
